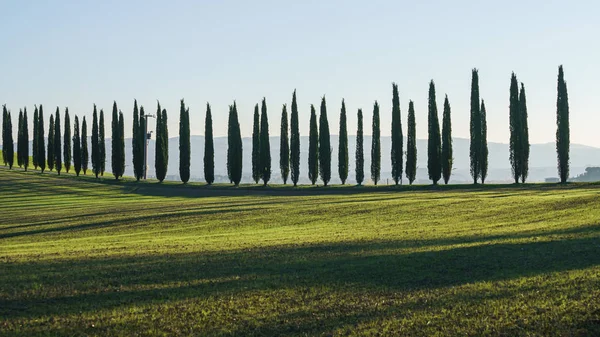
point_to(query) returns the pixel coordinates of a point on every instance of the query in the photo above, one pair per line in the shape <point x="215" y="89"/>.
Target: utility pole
<point x="148" y="137"/>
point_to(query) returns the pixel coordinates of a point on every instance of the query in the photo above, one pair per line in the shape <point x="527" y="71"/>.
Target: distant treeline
<point x="64" y="150"/>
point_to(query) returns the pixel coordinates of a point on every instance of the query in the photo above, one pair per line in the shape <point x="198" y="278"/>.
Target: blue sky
<point x="76" y="53"/>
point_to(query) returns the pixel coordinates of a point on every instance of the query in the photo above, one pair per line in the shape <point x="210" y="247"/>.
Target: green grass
<point x="80" y="257"/>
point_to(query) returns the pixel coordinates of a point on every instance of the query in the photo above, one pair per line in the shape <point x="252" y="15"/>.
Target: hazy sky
<point x="76" y="53"/>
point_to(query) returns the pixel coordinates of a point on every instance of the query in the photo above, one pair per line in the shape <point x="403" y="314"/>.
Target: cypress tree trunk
<point x="396" y="136"/>
<point x="294" y="142"/>
<point x="313" y="147"/>
<point x="562" y="127"/>
<point x="265" y="145"/>
<point x="57" y="143"/>
<point x="411" y="145"/>
<point x="514" y="123"/>
<point x="115" y="146"/>
<point x="324" y="145"/>
<point x="524" y="135"/>
<point x="343" y="146"/>
<point x="121" y="145"/>
<point x="51" y="157"/>
<point x="20" y="139"/>
<point x="360" y="155"/>
<point x="135" y="143"/>
<point x="475" y="146"/>
<point x="447" y="158"/>
<point x="84" y="147"/>
<point x="101" y="142"/>
<point x="41" y="158"/>
<point x="95" y="144"/>
<point x="209" y="150"/>
<point x="76" y="147"/>
<point x="235" y="150"/>
<point x="25" y="140"/>
<point x="484" y="146"/>
<point x="35" y="138"/>
<point x="256" y="146"/>
<point x="376" y="146"/>
<point x="67" y="141"/>
<point x="434" y="150"/>
<point x="184" y="143"/>
<point x="284" y="146"/>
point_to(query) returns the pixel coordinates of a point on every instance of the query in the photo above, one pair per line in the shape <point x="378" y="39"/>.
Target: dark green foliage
<point x="20" y="139"/>
<point x="121" y="144"/>
<point x="343" y="146"/>
<point x="562" y="127"/>
<point x="411" y="145"/>
<point x="313" y="147"/>
<point x="484" y="146"/>
<point x="35" y="138"/>
<point x="447" y="156"/>
<point x="294" y="142"/>
<point x="397" y="137"/>
<point x="256" y="146"/>
<point x="162" y="144"/>
<point x="101" y="142"/>
<point x="57" y="143"/>
<point x="67" y="141"/>
<point x="95" y="144"/>
<point x="115" y="143"/>
<point x="41" y="147"/>
<point x="376" y="146"/>
<point x="524" y="135"/>
<point x="265" y="145"/>
<point x="137" y="144"/>
<point x="515" y="128"/>
<point x="25" y="141"/>
<point x="10" y="145"/>
<point x="84" y="147"/>
<point x="434" y="143"/>
<point x="209" y="149"/>
<point x="324" y="145"/>
<point x="185" y="146"/>
<point x="284" y="146"/>
<point x="475" y="145"/>
<point x="51" y="138"/>
<point x="4" y="134"/>
<point x="234" y="149"/>
<point x="360" y="153"/>
<point x="76" y="147"/>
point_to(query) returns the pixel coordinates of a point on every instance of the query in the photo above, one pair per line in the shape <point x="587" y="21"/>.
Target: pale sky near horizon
<point x="77" y="53"/>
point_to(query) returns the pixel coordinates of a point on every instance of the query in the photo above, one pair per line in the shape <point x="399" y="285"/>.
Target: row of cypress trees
<point x="519" y="131"/>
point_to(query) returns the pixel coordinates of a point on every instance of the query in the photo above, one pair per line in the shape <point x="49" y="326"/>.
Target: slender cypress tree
<point x="265" y="145"/>
<point x="76" y="147"/>
<point x="158" y="150"/>
<point x="10" y="151"/>
<point x="209" y="149"/>
<point x="4" y="134"/>
<point x="184" y="143"/>
<point x="235" y="149"/>
<point x="84" y="147"/>
<point x="343" y="146"/>
<point x="447" y="158"/>
<point x="35" y="138"/>
<point x="121" y="144"/>
<point x="411" y="144"/>
<point x="376" y="146"/>
<point x="25" y="142"/>
<point x="41" y="157"/>
<point x="67" y="141"/>
<point x="256" y="146"/>
<point x="484" y="145"/>
<point x="20" y="139"/>
<point x="142" y="143"/>
<point x="230" y="145"/>
<point x="313" y="147"/>
<point x="51" y="138"/>
<point x="324" y="145"/>
<point x="101" y="141"/>
<point x="475" y="146"/>
<point x="57" y="143"/>
<point x="115" y="138"/>
<point x="162" y="145"/>
<point x="434" y="149"/>
<point x="135" y="143"/>
<point x="95" y="145"/>
<point x="284" y="146"/>
<point x="294" y="142"/>
<point x="360" y="154"/>
<point x="562" y="129"/>
<point x="397" y="137"/>
<point x="524" y="135"/>
<point x="514" y="123"/>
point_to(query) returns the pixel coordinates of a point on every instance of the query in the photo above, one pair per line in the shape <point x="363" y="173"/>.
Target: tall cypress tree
<point x="514" y="123"/>
<point x="95" y="145"/>
<point x="324" y="145"/>
<point x="434" y="149"/>
<point x="25" y="142"/>
<point x="184" y="143"/>
<point x="142" y="143"/>
<point x="313" y="147"/>
<point x="4" y="134"/>
<point x="41" y="147"/>
<point x="10" y="151"/>
<point x="158" y="151"/>
<point x="115" y="137"/>
<point x="411" y="144"/>
<point x="396" y="136"/>
<point x="284" y="146"/>
<point x="162" y="145"/>
<point x="67" y="142"/>
<point x="101" y="142"/>
<point x="57" y="143"/>
<point x="76" y="147"/>
<point x="376" y="146"/>
<point x="209" y="149"/>
<point x="256" y="146"/>
<point x="20" y="139"/>
<point x="475" y="146"/>
<point x="51" y="157"/>
<point x="343" y="146"/>
<point x="265" y="145"/>
<point x="235" y="149"/>
<point x="524" y="135"/>
<point x="135" y="143"/>
<point x="294" y="142"/>
<point x="484" y="145"/>
<point x="562" y="127"/>
<point x="35" y="138"/>
<point x="447" y="156"/>
<point x="121" y="144"/>
<point x="360" y="154"/>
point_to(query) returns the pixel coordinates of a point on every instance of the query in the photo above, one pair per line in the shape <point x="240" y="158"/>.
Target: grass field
<point x="84" y="258"/>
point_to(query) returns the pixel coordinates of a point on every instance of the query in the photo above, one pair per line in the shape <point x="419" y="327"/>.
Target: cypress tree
<point x="524" y="135"/>
<point x="121" y="144"/>
<point x="376" y="146"/>
<point x="35" y="138"/>
<point x="20" y="139"/>
<point x="57" y="143"/>
<point x="51" y="157"/>
<point x="256" y="146"/>
<point x="284" y="146"/>
<point x="411" y="144"/>
<point x="396" y="136"/>
<point x="84" y="147"/>
<point x="95" y="144"/>
<point x="434" y="150"/>
<point x="10" y="151"/>
<point x="235" y="150"/>
<point x="343" y="146"/>
<point x="184" y="143"/>
<point x="514" y="123"/>
<point x="313" y="147"/>
<point x="294" y="142"/>
<point x="484" y="146"/>
<point x="447" y="156"/>
<point x="324" y="145"/>
<point x="76" y="147"/>
<point x="562" y="127"/>
<point x="4" y="134"/>
<point x="25" y="141"/>
<point x="265" y="146"/>
<point x="67" y="141"/>
<point x="209" y="149"/>
<point x="115" y="146"/>
<point x="142" y="143"/>
<point x="101" y="142"/>
<point x="162" y="145"/>
<point x="475" y="146"/>
<point x="136" y="143"/>
<point x="230" y="145"/>
<point x="41" y="147"/>
<point x="360" y="155"/>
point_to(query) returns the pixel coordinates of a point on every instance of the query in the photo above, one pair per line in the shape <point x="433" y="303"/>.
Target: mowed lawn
<point x="85" y="258"/>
